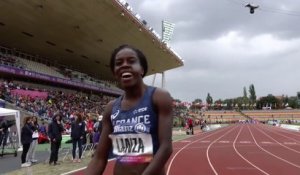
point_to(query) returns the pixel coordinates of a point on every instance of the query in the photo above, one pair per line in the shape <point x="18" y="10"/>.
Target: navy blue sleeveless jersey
<point x="135" y="131"/>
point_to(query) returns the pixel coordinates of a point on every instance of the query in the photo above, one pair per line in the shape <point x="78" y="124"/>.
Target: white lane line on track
<point x="295" y="133"/>
<point x="223" y="141"/>
<point x="205" y="141"/>
<point x="277" y="141"/>
<point x="173" y="158"/>
<point x="207" y="150"/>
<point x="240" y="168"/>
<point x="233" y="144"/>
<point x="275" y="132"/>
<point x="286" y="161"/>
<point x="290" y="143"/>
<point x="244" y="142"/>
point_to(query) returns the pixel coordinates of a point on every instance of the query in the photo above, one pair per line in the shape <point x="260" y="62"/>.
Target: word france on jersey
<point x="131" y="138"/>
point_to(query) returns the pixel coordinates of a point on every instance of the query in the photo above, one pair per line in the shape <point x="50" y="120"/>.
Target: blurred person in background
<point x="77" y="135"/>
<point x="55" y="130"/>
<point x="190" y="125"/>
<point x="35" y="135"/>
<point x="89" y="128"/>
<point x="26" y="139"/>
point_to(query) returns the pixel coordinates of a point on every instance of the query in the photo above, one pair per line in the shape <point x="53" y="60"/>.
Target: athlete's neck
<point x="135" y="92"/>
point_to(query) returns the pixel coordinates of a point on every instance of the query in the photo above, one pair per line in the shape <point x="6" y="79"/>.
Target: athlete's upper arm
<point x="163" y="102"/>
<point x="99" y="161"/>
<point x="104" y="144"/>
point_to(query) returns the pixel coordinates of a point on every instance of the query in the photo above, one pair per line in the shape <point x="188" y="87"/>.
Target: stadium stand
<point x="65" y="102"/>
<point x="26" y="62"/>
<point x="41" y="68"/>
<point x="80" y="45"/>
<point x="223" y="116"/>
<point x="264" y="115"/>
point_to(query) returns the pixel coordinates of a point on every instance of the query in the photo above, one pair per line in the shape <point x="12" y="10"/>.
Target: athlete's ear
<point x="142" y="73"/>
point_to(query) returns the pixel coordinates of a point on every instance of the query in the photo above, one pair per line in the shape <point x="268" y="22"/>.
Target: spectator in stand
<point x="26" y="139"/>
<point x="34" y="143"/>
<point x="63" y="102"/>
<point x="67" y="127"/>
<point x="77" y="134"/>
<point x="43" y="128"/>
<point x="43" y="136"/>
<point x="55" y="130"/>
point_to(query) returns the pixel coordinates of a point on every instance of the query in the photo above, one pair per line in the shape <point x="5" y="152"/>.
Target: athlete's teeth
<point x="126" y="74"/>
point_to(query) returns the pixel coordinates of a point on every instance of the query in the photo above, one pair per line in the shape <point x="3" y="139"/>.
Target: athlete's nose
<point x="125" y="64"/>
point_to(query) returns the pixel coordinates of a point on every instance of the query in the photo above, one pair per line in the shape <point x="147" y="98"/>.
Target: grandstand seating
<point x="23" y="63"/>
<point x="10" y="60"/>
<point x="217" y="116"/>
<point x="57" y="101"/>
<point x="263" y="115"/>
<point x="41" y="68"/>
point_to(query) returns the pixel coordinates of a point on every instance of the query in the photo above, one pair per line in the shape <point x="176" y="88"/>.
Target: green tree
<point x="218" y="104"/>
<point x="196" y="105"/>
<point x="293" y="102"/>
<point x="252" y="93"/>
<point x="245" y="98"/>
<point x="269" y="100"/>
<point x="229" y="104"/>
<point x="179" y="111"/>
<point x="239" y="101"/>
<point x="198" y="100"/>
<point x="245" y="93"/>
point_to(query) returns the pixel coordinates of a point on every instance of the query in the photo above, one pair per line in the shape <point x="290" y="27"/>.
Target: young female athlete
<point x="137" y="127"/>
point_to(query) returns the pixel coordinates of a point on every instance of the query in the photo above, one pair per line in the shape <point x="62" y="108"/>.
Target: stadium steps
<point x="243" y="114"/>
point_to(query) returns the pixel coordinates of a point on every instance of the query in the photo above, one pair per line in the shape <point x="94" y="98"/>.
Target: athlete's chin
<point x="127" y="85"/>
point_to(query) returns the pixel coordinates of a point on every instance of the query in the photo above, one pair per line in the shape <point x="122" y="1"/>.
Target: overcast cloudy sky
<point x="226" y="48"/>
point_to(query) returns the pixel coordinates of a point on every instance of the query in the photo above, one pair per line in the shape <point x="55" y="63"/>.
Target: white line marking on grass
<point x="185" y="141"/>
<point x="73" y="171"/>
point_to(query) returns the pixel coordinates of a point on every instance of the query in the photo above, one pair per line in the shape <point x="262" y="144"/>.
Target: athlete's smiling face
<point x="127" y="68"/>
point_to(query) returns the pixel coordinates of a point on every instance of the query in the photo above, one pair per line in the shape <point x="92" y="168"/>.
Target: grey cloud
<point x="265" y="50"/>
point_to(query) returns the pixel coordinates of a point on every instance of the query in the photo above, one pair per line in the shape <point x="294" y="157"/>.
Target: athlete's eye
<point x="132" y="60"/>
<point x="118" y="63"/>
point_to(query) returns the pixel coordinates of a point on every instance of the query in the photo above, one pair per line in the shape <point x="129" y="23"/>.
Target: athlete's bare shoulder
<point x="161" y="94"/>
<point x="163" y="101"/>
<point x="108" y="109"/>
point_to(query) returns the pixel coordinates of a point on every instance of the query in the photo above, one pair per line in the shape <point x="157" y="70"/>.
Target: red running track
<point x="247" y="149"/>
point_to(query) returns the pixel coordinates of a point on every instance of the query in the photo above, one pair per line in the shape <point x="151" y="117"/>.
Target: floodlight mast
<point x="167" y="33"/>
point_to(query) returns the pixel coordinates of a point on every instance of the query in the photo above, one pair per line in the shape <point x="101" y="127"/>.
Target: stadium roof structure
<point x="80" y="34"/>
